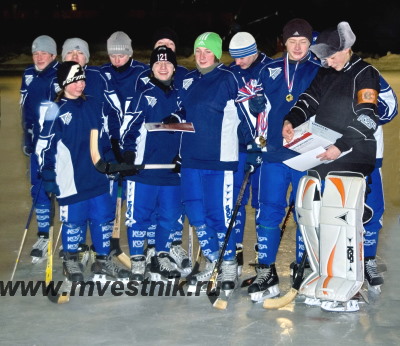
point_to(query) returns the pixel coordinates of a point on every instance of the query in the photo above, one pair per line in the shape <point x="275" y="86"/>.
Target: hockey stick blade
<point x="63" y="297"/>
<point x="111" y="168"/>
<point x="212" y="292"/>
<point x="181" y="127"/>
<point x="276" y="303"/>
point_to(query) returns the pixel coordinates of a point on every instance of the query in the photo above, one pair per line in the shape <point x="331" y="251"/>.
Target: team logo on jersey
<point x="57" y="87"/>
<point x="28" y="79"/>
<point x="274" y="72"/>
<point x="66" y="118"/>
<point x="145" y="80"/>
<point x="108" y="75"/>
<point x="187" y="83"/>
<point x="151" y="101"/>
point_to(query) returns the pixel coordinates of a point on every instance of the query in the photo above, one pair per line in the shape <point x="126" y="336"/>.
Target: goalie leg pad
<point x="308" y="203"/>
<point x="341" y="237"/>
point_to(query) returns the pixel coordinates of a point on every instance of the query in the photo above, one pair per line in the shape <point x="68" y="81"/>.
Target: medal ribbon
<point x="286" y="69"/>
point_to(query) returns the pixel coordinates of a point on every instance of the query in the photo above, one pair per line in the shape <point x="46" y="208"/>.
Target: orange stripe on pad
<point x="339" y="186"/>
<point x="308" y="185"/>
<point x="329" y="270"/>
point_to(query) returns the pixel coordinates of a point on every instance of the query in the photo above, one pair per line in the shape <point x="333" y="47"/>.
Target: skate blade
<point x="375" y="289"/>
<point x="38" y="260"/>
<point x="157" y="277"/>
<point x="312" y="301"/>
<point x="102" y="278"/>
<point x="349" y="306"/>
<point x="194" y="289"/>
<point x="271" y="292"/>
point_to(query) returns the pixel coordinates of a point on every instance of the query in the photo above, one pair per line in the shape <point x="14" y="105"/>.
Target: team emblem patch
<point x="66" y="118"/>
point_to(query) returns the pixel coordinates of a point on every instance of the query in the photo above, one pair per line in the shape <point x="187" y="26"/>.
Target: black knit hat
<point x="69" y="72"/>
<point x="162" y="53"/>
<point x="165" y="32"/>
<point x="297" y="27"/>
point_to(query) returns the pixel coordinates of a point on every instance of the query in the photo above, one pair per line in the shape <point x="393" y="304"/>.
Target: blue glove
<point x="171" y="119"/>
<point x="49" y="182"/>
<point x="254" y="158"/>
<point x="257" y="104"/>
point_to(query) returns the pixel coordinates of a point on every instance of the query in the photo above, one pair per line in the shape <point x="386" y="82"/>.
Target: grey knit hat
<point x="119" y="43"/>
<point x="44" y="43"/>
<point x="75" y="43"/>
<point x="333" y="40"/>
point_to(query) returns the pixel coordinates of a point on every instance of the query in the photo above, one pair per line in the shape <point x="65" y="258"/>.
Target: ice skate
<point x="228" y="277"/>
<point x="349" y="306"/>
<point x="149" y="253"/>
<point x="199" y="281"/>
<point x="266" y="283"/>
<point x="39" y="249"/>
<point x="105" y="267"/>
<point x="372" y="276"/>
<point x="138" y="268"/>
<point x="73" y="269"/>
<point x="84" y="254"/>
<point x="181" y="259"/>
<point x="163" y="268"/>
<point x="239" y="258"/>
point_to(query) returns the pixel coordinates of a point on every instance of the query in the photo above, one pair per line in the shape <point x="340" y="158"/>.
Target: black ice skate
<point x="163" y="268"/>
<point x="266" y="283"/>
<point x="181" y="259"/>
<point x="199" y="282"/>
<point x="105" y="267"/>
<point x="138" y="268"/>
<point x="372" y="276"/>
<point x="39" y="249"/>
<point x="228" y="276"/>
<point x="73" y="269"/>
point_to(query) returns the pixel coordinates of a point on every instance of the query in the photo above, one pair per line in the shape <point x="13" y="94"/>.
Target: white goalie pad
<point x="341" y="237"/>
<point x="308" y="203"/>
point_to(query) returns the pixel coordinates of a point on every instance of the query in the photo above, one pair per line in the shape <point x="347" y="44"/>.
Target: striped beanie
<point x="242" y="44"/>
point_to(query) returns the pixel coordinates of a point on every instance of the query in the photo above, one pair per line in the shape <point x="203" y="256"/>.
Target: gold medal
<point x="261" y="141"/>
<point x="289" y="97"/>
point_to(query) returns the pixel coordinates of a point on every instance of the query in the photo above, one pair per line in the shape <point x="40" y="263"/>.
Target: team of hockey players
<point x="241" y="114"/>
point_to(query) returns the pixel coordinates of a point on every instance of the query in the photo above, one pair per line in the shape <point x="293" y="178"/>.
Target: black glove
<point x="49" y="182"/>
<point x="178" y="164"/>
<point x="257" y="104"/>
<point x="254" y="158"/>
<point x="116" y="150"/>
<point x="129" y="158"/>
<point x="171" y="119"/>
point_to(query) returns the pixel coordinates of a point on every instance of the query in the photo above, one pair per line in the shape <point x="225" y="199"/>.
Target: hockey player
<point x="96" y="85"/>
<point x="248" y="61"/>
<point x="343" y="97"/>
<point x="151" y="191"/>
<point x="68" y="172"/>
<point x="283" y="80"/>
<point x="210" y="155"/>
<point x="38" y="85"/>
<point x="165" y="36"/>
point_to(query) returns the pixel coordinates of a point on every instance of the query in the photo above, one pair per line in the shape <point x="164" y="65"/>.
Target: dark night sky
<point x="376" y="24"/>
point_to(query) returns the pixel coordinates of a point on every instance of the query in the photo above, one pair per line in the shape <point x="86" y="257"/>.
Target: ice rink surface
<point x="136" y="319"/>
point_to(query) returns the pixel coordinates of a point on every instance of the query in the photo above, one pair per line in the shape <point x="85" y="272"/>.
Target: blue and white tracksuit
<point x="37" y="87"/>
<point x="244" y="76"/>
<point x="64" y="148"/>
<point x="387" y="110"/>
<point x="210" y="155"/>
<point x="276" y="177"/>
<point x="153" y="191"/>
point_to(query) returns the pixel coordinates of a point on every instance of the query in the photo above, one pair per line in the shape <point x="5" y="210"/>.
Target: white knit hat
<point x="44" y="43"/>
<point x="242" y="44"/>
<point x="119" y="43"/>
<point x="75" y="44"/>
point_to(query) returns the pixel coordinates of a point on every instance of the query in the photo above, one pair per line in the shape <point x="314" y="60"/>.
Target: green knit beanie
<point x="211" y="41"/>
